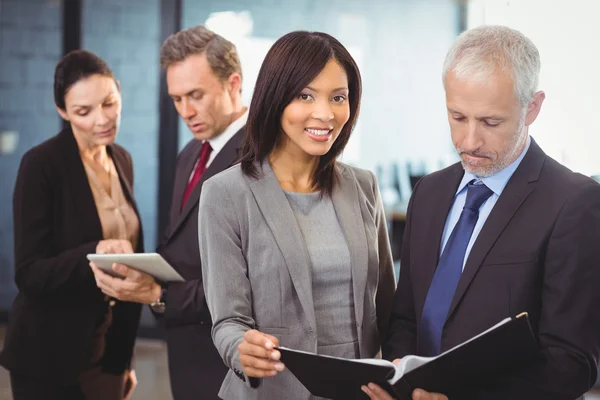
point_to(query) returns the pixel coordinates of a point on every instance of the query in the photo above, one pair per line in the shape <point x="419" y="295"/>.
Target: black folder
<point x="507" y="345"/>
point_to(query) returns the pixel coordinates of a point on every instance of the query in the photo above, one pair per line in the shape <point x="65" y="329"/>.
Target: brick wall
<point x="30" y="46"/>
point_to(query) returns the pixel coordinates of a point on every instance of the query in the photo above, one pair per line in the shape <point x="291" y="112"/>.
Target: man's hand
<point x="136" y="287"/>
<point x="257" y="356"/>
<point x="419" y="394"/>
<point x="130" y="384"/>
<point x="377" y="393"/>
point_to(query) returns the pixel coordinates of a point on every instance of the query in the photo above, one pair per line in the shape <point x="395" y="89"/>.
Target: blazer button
<point x="112" y="303"/>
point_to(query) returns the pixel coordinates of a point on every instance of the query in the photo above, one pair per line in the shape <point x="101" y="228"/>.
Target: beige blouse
<point x="119" y="220"/>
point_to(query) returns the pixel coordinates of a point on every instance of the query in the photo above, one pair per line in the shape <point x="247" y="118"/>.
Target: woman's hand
<point x="114" y="246"/>
<point x="257" y="356"/>
<point x="135" y="286"/>
<point x="130" y="384"/>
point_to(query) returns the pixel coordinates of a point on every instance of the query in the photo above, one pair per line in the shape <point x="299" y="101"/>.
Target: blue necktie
<point x="446" y="277"/>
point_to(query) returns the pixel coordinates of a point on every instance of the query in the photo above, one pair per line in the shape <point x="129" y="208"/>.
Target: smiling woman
<point x="314" y="119"/>
<point x="293" y="243"/>
<point x="73" y="196"/>
<point x="295" y="102"/>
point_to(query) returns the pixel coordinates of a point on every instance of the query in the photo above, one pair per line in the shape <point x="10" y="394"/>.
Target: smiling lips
<point x="319" y="134"/>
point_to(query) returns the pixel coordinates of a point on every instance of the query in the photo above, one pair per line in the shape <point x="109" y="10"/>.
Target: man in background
<point x="204" y="79"/>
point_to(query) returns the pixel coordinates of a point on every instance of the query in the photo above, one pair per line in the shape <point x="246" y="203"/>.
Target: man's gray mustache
<point x="475" y="153"/>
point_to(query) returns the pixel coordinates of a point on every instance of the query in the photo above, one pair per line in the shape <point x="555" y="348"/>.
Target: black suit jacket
<point x="538" y="251"/>
<point x="194" y="363"/>
<point x="58" y="307"/>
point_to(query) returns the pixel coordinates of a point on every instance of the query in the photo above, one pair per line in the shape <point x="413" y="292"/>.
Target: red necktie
<point x="200" y="168"/>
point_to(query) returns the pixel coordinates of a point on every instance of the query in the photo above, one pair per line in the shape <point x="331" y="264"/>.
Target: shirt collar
<point x="218" y="142"/>
<point x="499" y="180"/>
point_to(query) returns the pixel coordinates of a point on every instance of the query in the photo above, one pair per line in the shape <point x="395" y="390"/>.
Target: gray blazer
<point x="256" y="270"/>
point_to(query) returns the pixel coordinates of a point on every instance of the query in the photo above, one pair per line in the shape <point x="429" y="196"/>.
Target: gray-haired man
<point x="507" y="230"/>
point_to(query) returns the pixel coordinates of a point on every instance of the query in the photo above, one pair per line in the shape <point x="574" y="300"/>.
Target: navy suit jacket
<point x="194" y="363"/>
<point x="538" y="251"/>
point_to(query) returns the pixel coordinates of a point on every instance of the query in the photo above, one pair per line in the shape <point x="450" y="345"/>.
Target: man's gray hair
<point x="479" y="52"/>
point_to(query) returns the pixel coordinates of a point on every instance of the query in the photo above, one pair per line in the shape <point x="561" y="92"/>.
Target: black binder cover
<point x="506" y="346"/>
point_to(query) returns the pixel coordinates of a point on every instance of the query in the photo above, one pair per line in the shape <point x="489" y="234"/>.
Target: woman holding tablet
<point x="73" y="196"/>
<point x="293" y="243"/>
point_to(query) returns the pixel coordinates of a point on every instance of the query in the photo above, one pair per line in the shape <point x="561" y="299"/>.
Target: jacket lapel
<point x="439" y="207"/>
<point x="226" y="158"/>
<point x="513" y="195"/>
<point x="280" y="218"/>
<point x="347" y="207"/>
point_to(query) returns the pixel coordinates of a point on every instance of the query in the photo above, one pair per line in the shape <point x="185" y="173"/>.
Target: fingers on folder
<point x="257" y="356"/>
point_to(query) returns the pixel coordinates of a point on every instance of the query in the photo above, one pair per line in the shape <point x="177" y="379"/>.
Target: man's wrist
<point x="159" y="305"/>
<point x="156" y="292"/>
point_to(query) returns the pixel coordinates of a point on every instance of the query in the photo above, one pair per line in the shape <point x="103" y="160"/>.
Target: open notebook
<point x="507" y="344"/>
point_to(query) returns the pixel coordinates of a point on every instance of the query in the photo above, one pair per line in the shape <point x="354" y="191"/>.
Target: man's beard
<point x="499" y="162"/>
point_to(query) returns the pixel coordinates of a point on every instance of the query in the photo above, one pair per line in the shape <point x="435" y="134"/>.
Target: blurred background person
<point x="293" y="243"/>
<point x="204" y="79"/>
<point x="73" y="196"/>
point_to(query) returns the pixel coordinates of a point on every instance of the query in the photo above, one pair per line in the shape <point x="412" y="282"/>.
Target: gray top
<point x="331" y="274"/>
<point x="256" y="271"/>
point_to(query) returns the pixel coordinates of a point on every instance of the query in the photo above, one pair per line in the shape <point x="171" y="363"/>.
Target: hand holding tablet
<point x="149" y="263"/>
